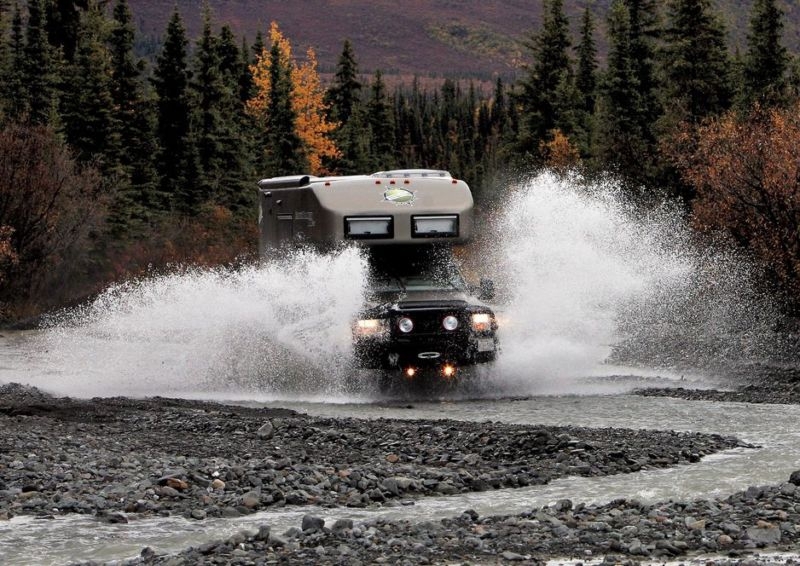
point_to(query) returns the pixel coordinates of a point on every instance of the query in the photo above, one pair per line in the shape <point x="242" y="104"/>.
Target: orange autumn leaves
<point x="745" y="169"/>
<point x="312" y="125"/>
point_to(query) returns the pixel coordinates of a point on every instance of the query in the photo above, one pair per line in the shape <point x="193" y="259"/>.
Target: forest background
<point x="123" y="154"/>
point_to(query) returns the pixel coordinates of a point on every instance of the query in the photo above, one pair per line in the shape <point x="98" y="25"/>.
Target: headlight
<point x="371" y="327"/>
<point x="405" y="325"/>
<point x="481" y="321"/>
<point x="450" y="322"/>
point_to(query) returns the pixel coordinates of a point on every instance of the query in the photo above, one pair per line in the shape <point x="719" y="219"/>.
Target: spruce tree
<point x="766" y="59"/>
<point x="380" y="120"/>
<point x="64" y="23"/>
<point x="645" y="33"/>
<point x="225" y="175"/>
<point x="87" y="103"/>
<point x="697" y="68"/>
<point x="586" y="78"/>
<point x="41" y="68"/>
<point x="134" y="124"/>
<point x="539" y="88"/>
<point x="284" y="147"/>
<point x="586" y="85"/>
<point x="345" y="91"/>
<point x="622" y="143"/>
<point x="344" y="99"/>
<point x="14" y="87"/>
<point x="170" y="80"/>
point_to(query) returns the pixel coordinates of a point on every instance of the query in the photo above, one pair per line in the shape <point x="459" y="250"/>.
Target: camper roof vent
<point x="406" y="173"/>
<point x="290" y="182"/>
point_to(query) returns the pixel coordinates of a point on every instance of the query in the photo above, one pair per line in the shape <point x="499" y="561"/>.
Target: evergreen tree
<point x="539" y="88"/>
<point x="64" y="23"/>
<point x="171" y="79"/>
<point x="766" y="60"/>
<point x="645" y="33"/>
<point x="586" y="85"/>
<point x="247" y="87"/>
<point x="697" y="69"/>
<point x="345" y="91"/>
<point x="622" y="143"/>
<point x="87" y="102"/>
<point x="284" y="147"/>
<point x="381" y="124"/>
<point x="207" y="87"/>
<point x="225" y="175"/>
<point x="586" y="79"/>
<point x="14" y="88"/>
<point x="134" y="122"/>
<point x="41" y="75"/>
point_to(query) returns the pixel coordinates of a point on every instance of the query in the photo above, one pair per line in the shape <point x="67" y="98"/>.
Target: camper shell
<point x="417" y="206"/>
<point x="420" y="318"/>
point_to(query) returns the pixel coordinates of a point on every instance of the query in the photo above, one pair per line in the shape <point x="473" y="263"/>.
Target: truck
<point x="421" y="321"/>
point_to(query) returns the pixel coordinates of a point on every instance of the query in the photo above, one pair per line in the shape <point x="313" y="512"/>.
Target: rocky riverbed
<point x="123" y="459"/>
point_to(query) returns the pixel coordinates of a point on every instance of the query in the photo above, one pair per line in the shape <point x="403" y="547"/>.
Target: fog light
<point x="448" y="370"/>
<point x="372" y="327"/>
<point x="405" y="325"/>
<point x="481" y="321"/>
<point x="411" y="372"/>
<point x="450" y="322"/>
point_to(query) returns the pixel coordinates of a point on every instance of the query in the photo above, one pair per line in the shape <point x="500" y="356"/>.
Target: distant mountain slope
<point x="480" y="38"/>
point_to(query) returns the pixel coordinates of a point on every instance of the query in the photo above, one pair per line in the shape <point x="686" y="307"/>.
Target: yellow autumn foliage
<point x="312" y="125"/>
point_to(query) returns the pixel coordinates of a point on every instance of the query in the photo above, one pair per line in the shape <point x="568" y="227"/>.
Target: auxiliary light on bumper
<point x="371" y="328"/>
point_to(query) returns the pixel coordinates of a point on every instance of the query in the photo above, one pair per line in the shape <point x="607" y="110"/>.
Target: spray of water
<point x="254" y="331"/>
<point x="584" y="279"/>
<point x="592" y="279"/>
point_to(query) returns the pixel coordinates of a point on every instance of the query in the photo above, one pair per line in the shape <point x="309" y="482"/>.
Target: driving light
<point x="450" y="322"/>
<point x="372" y="327"/>
<point x="410" y="372"/>
<point x="448" y="370"/>
<point x="481" y="321"/>
<point x="405" y="325"/>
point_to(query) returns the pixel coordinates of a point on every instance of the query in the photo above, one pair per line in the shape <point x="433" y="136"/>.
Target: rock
<point x="342" y="524"/>
<point x="198" y="514"/>
<point x="312" y="523"/>
<point x="795" y="478"/>
<point x="167" y="491"/>
<point x="392" y="458"/>
<point x="788" y="489"/>
<point x="266" y="431"/>
<point x="251" y="500"/>
<point x="218" y="484"/>
<point x="724" y="540"/>
<point x="176" y="483"/>
<point x="563" y="505"/>
<point x="263" y="533"/>
<point x="513" y="556"/>
<point x="764" y="535"/>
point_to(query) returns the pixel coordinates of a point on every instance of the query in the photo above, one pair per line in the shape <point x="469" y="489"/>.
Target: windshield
<point x="420" y="282"/>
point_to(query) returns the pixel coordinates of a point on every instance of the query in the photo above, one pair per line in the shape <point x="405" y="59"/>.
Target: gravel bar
<point x="122" y="459"/>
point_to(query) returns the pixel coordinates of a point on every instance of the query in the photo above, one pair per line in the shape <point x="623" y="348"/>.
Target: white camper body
<point x="413" y="206"/>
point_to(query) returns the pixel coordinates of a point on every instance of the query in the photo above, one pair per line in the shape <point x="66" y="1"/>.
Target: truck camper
<point x="421" y="319"/>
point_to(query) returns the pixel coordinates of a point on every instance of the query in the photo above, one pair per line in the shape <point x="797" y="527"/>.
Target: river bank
<point x="121" y="460"/>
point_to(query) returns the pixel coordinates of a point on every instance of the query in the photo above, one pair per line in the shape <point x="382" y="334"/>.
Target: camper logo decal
<point x="399" y="196"/>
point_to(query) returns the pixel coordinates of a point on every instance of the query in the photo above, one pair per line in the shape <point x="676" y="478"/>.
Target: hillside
<point x="479" y="38"/>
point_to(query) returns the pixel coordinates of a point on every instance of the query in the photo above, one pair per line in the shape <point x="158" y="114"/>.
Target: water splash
<point x="256" y="330"/>
<point x="590" y="279"/>
<point x="589" y="285"/>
